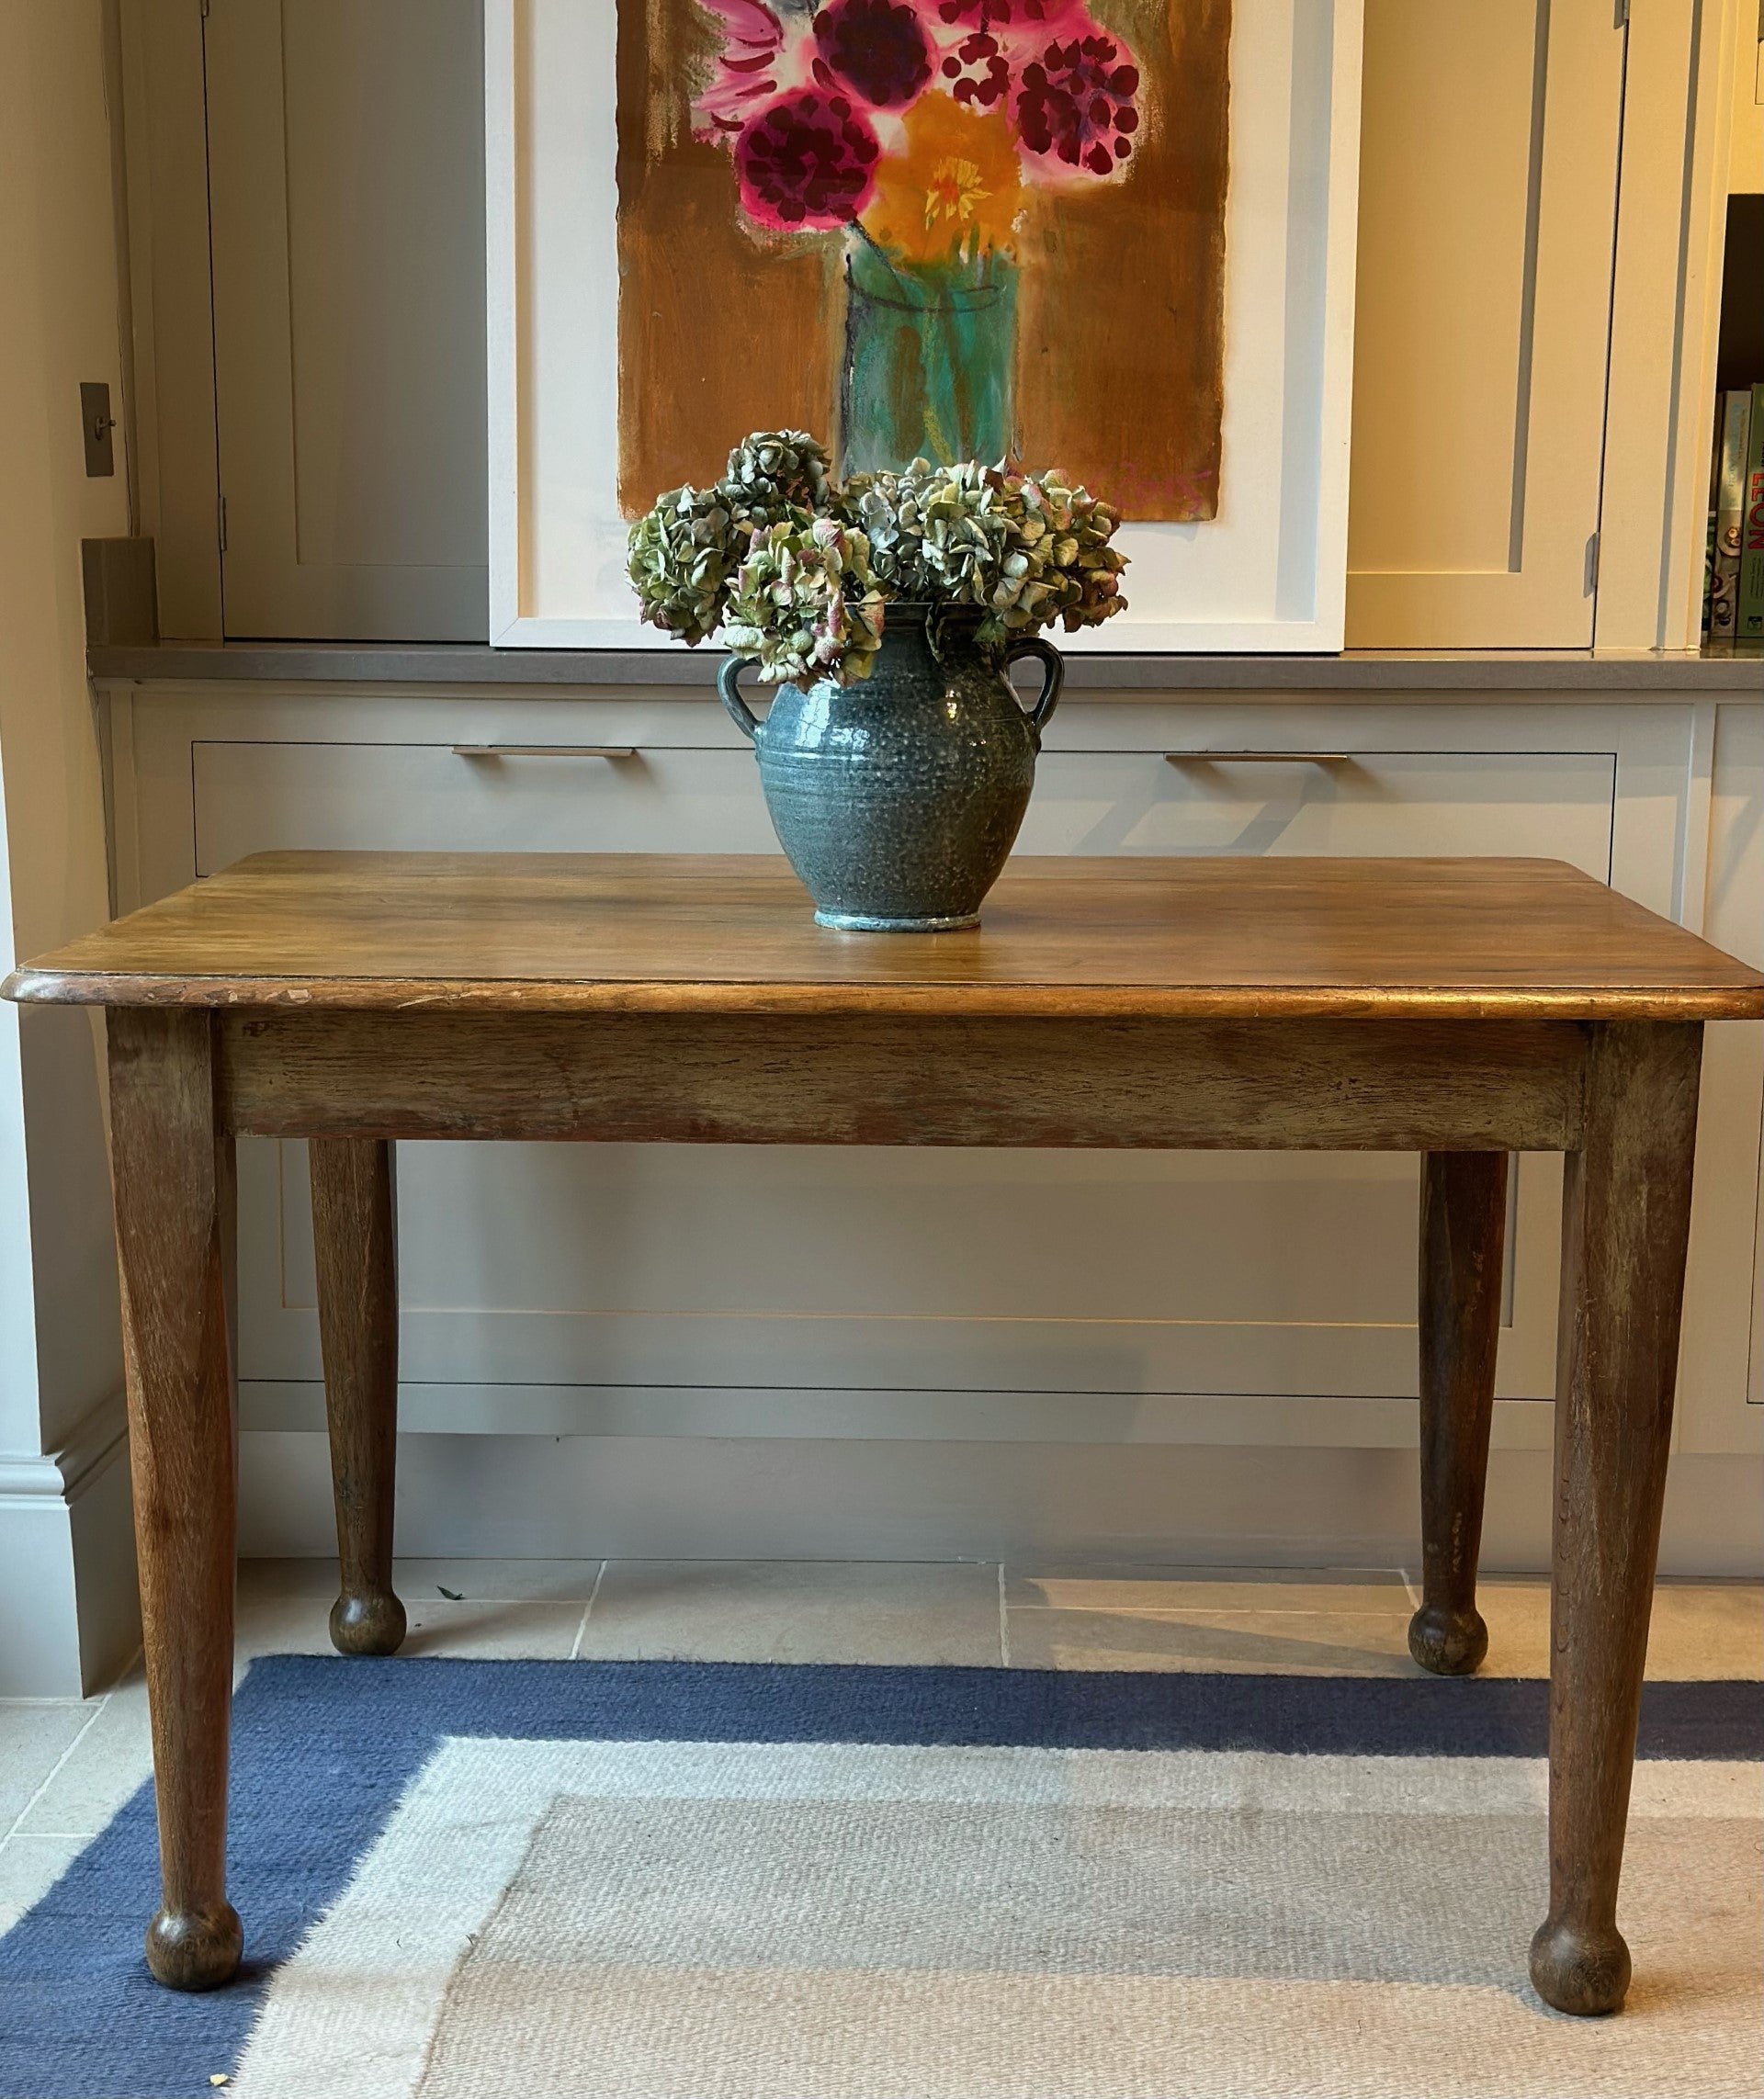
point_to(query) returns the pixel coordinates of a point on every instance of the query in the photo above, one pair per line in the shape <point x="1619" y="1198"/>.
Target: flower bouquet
<point x="795" y="570"/>
<point x="897" y="761"/>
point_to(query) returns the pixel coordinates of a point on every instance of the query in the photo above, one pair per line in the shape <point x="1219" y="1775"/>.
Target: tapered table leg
<point x="356" y="1235"/>
<point x="1626" y="1219"/>
<point x="1464" y="1225"/>
<point x="172" y="1203"/>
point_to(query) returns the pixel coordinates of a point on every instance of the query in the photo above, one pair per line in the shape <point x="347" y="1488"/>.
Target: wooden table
<point x="1462" y="1008"/>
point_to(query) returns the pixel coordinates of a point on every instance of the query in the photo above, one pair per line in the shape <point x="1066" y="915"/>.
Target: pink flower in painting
<point x="975" y="71"/>
<point x="756" y="63"/>
<point x="1075" y="105"/>
<point x="992" y="14"/>
<point x="796" y="84"/>
<point x="877" y="49"/>
<point x="808" y="159"/>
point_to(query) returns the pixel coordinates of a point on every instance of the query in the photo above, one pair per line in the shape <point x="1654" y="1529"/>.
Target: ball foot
<point x="1449" y="1643"/>
<point x="1585" y="1973"/>
<point x="195" y="1949"/>
<point x="368" y="1623"/>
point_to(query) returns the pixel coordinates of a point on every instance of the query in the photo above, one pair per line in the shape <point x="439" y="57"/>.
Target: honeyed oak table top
<point x="1204" y="938"/>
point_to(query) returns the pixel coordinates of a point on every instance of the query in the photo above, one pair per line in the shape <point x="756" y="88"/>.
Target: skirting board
<point x="67" y="1571"/>
<point x="866" y="1416"/>
<point x="707" y="1498"/>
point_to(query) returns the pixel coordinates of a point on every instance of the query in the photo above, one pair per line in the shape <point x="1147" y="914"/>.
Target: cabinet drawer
<point x="1556" y="803"/>
<point x="428" y="797"/>
<point x="253" y="798"/>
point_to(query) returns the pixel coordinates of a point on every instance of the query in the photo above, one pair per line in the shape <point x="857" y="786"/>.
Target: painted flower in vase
<point x="917" y="130"/>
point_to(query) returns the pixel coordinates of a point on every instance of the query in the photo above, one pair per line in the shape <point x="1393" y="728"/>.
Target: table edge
<point x="30" y="986"/>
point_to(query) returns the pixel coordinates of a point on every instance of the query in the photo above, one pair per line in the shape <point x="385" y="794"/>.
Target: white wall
<point x="66" y="1567"/>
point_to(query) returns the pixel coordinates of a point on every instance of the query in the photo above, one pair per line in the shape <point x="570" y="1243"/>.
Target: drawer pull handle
<point x="1258" y="757"/>
<point x="544" y="750"/>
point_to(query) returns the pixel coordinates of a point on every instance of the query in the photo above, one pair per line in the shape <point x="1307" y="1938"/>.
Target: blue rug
<point x="325" y="1750"/>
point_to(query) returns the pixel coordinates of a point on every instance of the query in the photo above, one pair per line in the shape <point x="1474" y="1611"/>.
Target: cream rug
<point x="753" y="1921"/>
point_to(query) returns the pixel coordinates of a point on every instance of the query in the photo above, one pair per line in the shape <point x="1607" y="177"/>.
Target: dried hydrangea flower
<point x="805" y="604"/>
<point x="1065" y="532"/>
<point x="888" y="508"/>
<point x="965" y="534"/>
<point x="682" y="557"/>
<point x="773" y="472"/>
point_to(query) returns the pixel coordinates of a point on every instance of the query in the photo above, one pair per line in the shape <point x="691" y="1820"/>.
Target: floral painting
<point x="937" y="229"/>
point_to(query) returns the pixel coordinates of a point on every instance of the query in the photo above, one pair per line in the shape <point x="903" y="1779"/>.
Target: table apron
<point x="817" y="1080"/>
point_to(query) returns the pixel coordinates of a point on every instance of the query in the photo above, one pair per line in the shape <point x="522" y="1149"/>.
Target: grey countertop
<point x="1365" y="671"/>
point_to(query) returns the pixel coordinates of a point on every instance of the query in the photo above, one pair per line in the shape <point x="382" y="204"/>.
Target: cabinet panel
<point x="1722" y="1363"/>
<point x="345" y="175"/>
<point x="779" y="1268"/>
<point x="255" y="796"/>
<point x="1554" y="803"/>
<point x="1487" y="214"/>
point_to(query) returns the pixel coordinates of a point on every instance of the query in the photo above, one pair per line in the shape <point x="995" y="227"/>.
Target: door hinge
<point x="221" y="522"/>
<point x="1591" y="582"/>
<point x="204" y="5"/>
<point x="1621" y="23"/>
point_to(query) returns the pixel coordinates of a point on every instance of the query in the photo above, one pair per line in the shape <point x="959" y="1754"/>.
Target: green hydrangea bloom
<point x="805" y="604"/>
<point x="681" y="557"/>
<point x="777" y="471"/>
<point x="1064" y="532"/>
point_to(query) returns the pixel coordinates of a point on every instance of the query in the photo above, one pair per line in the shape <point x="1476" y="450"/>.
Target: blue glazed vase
<point x="898" y="798"/>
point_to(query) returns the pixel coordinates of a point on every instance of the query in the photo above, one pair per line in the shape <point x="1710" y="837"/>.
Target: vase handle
<point x="1053" y="665"/>
<point x="728" y="690"/>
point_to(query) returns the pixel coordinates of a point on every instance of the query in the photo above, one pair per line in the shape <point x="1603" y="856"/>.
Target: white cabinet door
<point x="347" y="207"/>
<point x="1488" y="215"/>
<point x="548" y="1276"/>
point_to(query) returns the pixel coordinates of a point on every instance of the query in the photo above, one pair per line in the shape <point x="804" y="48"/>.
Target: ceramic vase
<point x="897" y="798"/>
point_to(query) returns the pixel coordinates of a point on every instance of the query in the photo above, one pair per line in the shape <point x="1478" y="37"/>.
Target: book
<point x="1749" y="621"/>
<point x="1730" y="509"/>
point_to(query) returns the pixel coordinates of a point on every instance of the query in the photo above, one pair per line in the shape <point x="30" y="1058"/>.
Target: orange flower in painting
<point x="954" y="191"/>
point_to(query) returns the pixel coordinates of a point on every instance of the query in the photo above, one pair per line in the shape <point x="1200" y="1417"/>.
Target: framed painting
<point x="1111" y="237"/>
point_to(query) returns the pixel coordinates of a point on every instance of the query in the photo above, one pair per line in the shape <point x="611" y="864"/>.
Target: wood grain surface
<point x="1625" y="1228"/>
<point x="172" y="1199"/>
<point x="1224" y="938"/>
<point x="354" y="1245"/>
<point x="1463" y="1229"/>
<point x="893" y="1079"/>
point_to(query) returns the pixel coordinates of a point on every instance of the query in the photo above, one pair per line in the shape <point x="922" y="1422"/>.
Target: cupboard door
<point x="346" y="206"/>
<point x="1488" y="218"/>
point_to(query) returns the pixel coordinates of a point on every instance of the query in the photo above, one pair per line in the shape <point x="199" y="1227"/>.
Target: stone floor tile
<point x="501" y="1581"/>
<point x="102" y="1768"/>
<point x="1279" y="1642"/>
<point x="29" y="1868"/>
<point x="480" y="1628"/>
<point x="34" y="1737"/>
<point x="1377" y="1590"/>
<point x="766" y="1610"/>
<point x="1697" y="1630"/>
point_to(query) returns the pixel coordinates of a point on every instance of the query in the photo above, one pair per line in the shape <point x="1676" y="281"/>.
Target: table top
<point x="1203" y="938"/>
